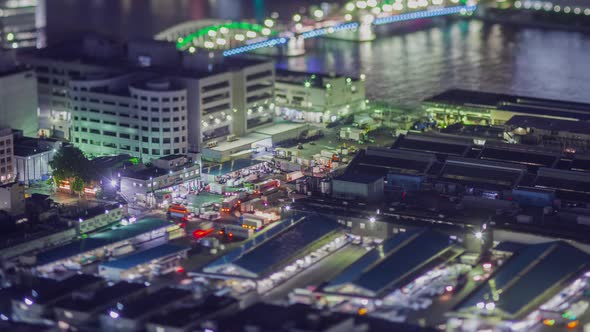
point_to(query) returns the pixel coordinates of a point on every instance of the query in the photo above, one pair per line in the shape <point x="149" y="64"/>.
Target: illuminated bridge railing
<point x="353" y="25"/>
<point x="425" y="14"/>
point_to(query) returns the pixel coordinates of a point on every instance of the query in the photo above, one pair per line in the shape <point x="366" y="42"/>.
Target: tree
<point x="78" y="185"/>
<point x="69" y="163"/>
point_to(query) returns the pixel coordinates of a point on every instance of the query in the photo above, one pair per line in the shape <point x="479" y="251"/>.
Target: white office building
<point x="317" y="98"/>
<point x="18" y="97"/>
<point x="22" y="23"/>
<point x="129" y="92"/>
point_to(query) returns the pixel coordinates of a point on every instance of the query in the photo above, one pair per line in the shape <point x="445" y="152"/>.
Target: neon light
<point x="424" y="14"/>
<point x="184" y="42"/>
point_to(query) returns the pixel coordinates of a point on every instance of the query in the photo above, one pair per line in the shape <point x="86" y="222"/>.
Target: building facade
<point x="317" y="98"/>
<point x="129" y="114"/>
<point x="222" y="98"/>
<point x="18" y="100"/>
<point x="6" y="156"/>
<point x="22" y="23"/>
<point x="169" y="177"/>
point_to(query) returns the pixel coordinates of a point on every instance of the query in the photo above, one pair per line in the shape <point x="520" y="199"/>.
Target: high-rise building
<point x="22" y="23"/>
<point x="130" y="91"/>
<point x="136" y="114"/>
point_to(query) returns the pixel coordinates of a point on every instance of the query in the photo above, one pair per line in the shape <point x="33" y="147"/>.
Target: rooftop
<point x="527" y="105"/>
<point x="317" y="80"/>
<point x="100" y="298"/>
<point x="529" y="278"/>
<point x="359" y="178"/>
<point x="257" y="258"/>
<point x="470" y="171"/>
<point x="193" y="312"/>
<point x="145" y="256"/>
<point x="523" y="121"/>
<point x="98" y="240"/>
<point x="392" y="264"/>
<point x="442" y="144"/>
<point x="521" y="154"/>
<point x="230" y="166"/>
<point x="151" y="302"/>
<point x="50" y="292"/>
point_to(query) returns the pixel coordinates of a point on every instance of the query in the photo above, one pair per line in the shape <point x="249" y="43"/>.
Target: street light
<point x="478" y="235"/>
<point x="372" y="219"/>
<point x="113" y="183"/>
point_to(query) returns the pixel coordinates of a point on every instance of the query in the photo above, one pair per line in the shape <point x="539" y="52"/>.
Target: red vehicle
<point x="201" y="233"/>
<point x="177" y="210"/>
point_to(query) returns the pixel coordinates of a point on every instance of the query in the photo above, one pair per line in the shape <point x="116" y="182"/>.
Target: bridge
<point x="357" y="20"/>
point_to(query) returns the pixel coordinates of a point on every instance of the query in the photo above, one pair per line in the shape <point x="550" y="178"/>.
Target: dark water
<point x="401" y="68"/>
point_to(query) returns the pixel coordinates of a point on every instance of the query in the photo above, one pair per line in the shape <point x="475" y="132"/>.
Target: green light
<point x="10" y="36"/>
<point x="307" y="84"/>
<point x="184" y="42"/>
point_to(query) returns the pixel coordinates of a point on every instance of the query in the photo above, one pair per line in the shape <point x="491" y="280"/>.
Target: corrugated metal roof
<point x="525" y="277"/>
<point x="145" y="256"/>
<point x="286" y="244"/>
<point x="388" y="264"/>
<point x="100" y="239"/>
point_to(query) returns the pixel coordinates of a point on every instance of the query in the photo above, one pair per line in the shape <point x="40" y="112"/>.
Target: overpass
<point x="356" y="20"/>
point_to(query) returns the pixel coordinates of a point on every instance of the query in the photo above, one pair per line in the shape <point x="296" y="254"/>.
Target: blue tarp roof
<point x="527" y="275"/>
<point x="144" y="256"/>
<point x="396" y="257"/>
<point x="230" y="166"/>
<point x="285" y="244"/>
<point x="100" y="239"/>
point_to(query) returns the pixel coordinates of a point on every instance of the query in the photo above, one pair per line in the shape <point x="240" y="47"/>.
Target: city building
<point x="528" y="279"/>
<point x="146" y="92"/>
<point x="132" y="314"/>
<point x="82" y="310"/>
<point x="484" y="108"/>
<point x="22" y="23"/>
<point x="100" y="245"/>
<point x="155" y="261"/>
<point x="393" y="264"/>
<point x="288" y="241"/>
<point x="560" y="134"/>
<point x="35" y="304"/>
<point x="188" y="317"/>
<point x="12" y="198"/>
<point x="21" y="241"/>
<point x="141" y="115"/>
<point x="317" y="98"/>
<point x="361" y="187"/>
<point x="18" y="97"/>
<point x="32" y="157"/>
<point x="169" y="177"/>
<point x="7" y="173"/>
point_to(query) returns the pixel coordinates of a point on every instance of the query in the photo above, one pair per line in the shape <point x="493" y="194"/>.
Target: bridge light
<point x="269" y="23"/>
<point x="348" y="17"/>
<point x="298" y="26"/>
<point x="212" y="33"/>
<point x="318" y="13"/>
<point x="361" y="4"/>
<point x="240" y="37"/>
<point x="296" y="18"/>
<point x="371" y="3"/>
<point x="209" y="44"/>
<point x="350" y="6"/>
<point x="387" y="7"/>
<point x="192" y="49"/>
<point x="224" y="30"/>
<point x="251" y="34"/>
<point x="221" y="41"/>
<point x="266" y="31"/>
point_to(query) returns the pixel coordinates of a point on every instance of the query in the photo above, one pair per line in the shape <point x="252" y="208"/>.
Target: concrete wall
<point x="18" y="102"/>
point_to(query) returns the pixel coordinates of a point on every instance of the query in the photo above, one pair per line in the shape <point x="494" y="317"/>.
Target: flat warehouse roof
<point x="432" y="144"/>
<point x="100" y="239"/>
<point x="388" y="265"/>
<point x="266" y="251"/>
<point x="145" y="256"/>
<point x="230" y="166"/>
<point x="145" y="304"/>
<point x="247" y="140"/>
<point x="529" y="277"/>
<point x="518" y="156"/>
<point x="100" y="298"/>
<point x="286" y="244"/>
<point x="279" y="128"/>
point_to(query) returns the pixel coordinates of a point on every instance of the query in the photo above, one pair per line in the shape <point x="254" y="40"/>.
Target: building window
<point x="155" y="140"/>
<point x="155" y="152"/>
